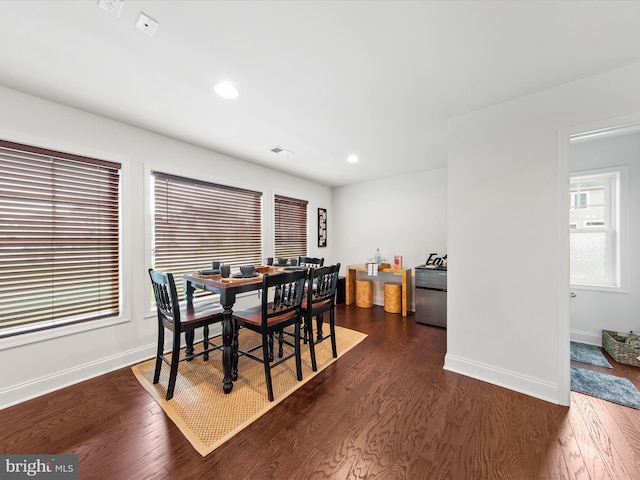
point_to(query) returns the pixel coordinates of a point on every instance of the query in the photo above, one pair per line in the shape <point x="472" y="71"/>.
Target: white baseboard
<point x="34" y="388"/>
<point x="591" y="338"/>
<point x="503" y="378"/>
<point x="19" y="393"/>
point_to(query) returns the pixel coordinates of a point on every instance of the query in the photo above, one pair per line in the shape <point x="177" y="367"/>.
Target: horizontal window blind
<point x="290" y="227"/>
<point x="59" y="238"/>
<point x="195" y="222"/>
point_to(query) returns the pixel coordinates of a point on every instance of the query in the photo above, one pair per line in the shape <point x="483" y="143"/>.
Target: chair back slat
<point x="324" y="282"/>
<point x="166" y="295"/>
<point x="287" y="291"/>
<point x="310" y="262"/>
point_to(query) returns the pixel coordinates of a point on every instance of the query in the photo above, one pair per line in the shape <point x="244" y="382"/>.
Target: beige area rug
<point x="205" y="415"/>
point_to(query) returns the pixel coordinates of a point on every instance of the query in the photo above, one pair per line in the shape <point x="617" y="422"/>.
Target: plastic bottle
<point x="378" y="258"/>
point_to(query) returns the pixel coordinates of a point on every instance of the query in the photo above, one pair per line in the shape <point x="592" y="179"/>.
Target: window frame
<point x="616" y="214"/>
<point x="294" y="207"/>
<point x="255" y="257"/>
<point x="62" y="328"/>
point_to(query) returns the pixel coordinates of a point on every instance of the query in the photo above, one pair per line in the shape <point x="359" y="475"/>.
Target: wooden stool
<point x="393" y="297"/>
<point x="364" y="293"/>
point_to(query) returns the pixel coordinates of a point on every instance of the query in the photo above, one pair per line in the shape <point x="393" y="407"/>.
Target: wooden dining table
<point x="228" y="289"/>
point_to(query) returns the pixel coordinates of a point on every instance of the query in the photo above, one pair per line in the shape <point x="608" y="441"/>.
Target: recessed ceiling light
<point x="352" y="159"/>
<point x="226" y="90"/>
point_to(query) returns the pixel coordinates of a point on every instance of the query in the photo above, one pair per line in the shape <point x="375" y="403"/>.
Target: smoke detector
<point x="146" y="24"/>
<point x="114" y="7"/>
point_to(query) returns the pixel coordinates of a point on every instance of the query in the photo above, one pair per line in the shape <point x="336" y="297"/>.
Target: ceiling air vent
<point x="281" y="151"/>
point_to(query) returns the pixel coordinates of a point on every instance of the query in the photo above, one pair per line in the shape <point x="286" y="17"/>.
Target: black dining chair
<point x="310" y="262"/>
<point x="178" y="319"/>
<point x="320" y="297"/>
<point x="285" y="290"/>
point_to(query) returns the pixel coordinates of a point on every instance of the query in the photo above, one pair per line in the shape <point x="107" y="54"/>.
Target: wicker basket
<point x="620" y="351"/>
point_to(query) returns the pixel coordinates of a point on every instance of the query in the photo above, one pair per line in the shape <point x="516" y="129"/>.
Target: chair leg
<point x="159" y="353"/>
<point x="312" y="347"/>
<point x="267" y="363"/>
<point x="175" y="360"/>
<point x="305" y="330"/>
<point x="332" y="330"/>
<point x="298" y="355"/>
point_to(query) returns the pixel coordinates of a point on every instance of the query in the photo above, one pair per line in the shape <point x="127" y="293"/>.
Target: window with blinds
<point x="195" y="222"/>
<point x="290" y="227"/>
<point x="59" y="239"/>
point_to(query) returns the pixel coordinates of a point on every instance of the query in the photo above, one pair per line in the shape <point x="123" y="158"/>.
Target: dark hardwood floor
<point x="385" y="410"/>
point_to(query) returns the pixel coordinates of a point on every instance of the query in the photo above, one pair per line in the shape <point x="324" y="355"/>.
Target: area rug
<point x="581" y="352"/>
<point x="205" y="415"/>
<point x="607" y="387"/>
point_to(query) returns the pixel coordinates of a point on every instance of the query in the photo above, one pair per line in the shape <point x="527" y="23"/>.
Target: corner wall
<point x="508" y="294"/>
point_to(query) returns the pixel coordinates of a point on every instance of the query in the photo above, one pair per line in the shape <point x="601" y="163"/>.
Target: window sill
<point x="56" y="332"/>
<point x="598" y="288"/>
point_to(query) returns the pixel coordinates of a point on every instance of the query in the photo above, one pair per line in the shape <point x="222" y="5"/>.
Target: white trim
<point x="34" y="388"/>
<point x="591" y="338"/>
<point x="564" y="316"/>
<point x="59" y="331"/>
<point x="503" y="378"/>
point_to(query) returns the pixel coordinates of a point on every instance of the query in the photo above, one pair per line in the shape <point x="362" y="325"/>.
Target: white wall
<point x="508" y="296"/>
<point x="592" y="311"/>
<point x="404" y="215"/>
<point x="32" y="369"/>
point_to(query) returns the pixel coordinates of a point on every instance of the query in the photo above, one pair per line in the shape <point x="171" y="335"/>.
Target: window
<point x="290" y="227"/>
<point x="596" y="224"/>
<point x="59" y="239"/>
<point x="195" y="222"/>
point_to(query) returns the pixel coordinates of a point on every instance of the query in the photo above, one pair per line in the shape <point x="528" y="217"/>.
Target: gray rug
<point x="607" y="387"/>
<point x="581" y="352"/>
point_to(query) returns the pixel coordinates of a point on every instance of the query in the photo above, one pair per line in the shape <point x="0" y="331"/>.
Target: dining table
<point x="228" y="289"/>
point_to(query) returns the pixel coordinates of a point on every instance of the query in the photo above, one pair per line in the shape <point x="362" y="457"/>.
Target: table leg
<point x="350" y="286"/>
<point x="227" y="348"/>
<point x="189" y="289"/>
<point x="189" y="336"/>
<point x="234" y="369"/>
<point x="318" y="328"/>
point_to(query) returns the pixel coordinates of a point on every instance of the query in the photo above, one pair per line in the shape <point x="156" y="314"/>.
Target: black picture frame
<point x="322" y="227"/>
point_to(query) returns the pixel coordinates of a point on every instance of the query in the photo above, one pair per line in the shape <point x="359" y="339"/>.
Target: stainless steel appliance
<point x="431" y="295"/>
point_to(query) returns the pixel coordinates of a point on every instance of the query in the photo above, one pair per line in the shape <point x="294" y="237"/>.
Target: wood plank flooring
<point x="385" y="410"/>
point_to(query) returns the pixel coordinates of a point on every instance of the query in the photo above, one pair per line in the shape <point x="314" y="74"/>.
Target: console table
<point x="405" y="273"/>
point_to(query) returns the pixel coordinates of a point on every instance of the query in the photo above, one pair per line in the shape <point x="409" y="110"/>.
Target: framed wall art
<point x="322" y="227"/>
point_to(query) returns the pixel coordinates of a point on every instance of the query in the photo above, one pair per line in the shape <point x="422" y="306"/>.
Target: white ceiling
<point x="324" y="79"/>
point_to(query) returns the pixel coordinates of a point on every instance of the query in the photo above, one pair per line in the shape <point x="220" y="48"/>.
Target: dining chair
<point x="310" y="262"/>
<point x="178" y="319"/>
<point x="320" y="297"/>
<point x="273" y="316"/>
